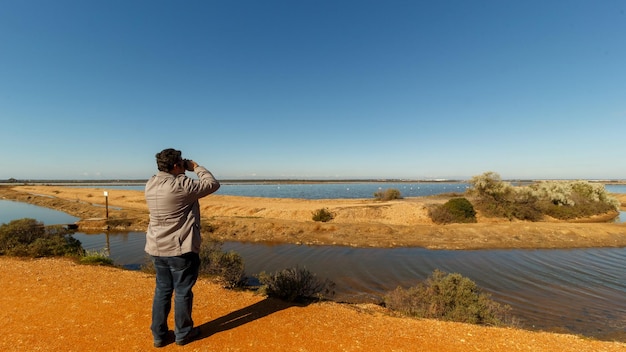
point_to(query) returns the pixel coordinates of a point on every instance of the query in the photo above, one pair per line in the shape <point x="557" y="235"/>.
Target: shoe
<point x="192" y="335"/>
<point x="161" y="343"/>
<point x="169" y="338"/>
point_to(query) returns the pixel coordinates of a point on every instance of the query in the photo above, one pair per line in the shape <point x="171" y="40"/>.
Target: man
<point x="173" y="240"/>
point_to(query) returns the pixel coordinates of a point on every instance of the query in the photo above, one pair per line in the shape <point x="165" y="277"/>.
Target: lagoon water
<point x="580" y="291"/>
<point x="328" y="190"/>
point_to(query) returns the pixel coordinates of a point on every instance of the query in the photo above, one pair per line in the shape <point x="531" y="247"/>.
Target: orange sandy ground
<point x="57" y="305"/>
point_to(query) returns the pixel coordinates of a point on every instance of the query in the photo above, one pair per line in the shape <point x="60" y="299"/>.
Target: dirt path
<point x="57" y="305"/>
<point x="357" y="222"/>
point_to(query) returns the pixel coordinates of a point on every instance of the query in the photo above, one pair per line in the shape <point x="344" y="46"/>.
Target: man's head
<point x="167" y="159"/>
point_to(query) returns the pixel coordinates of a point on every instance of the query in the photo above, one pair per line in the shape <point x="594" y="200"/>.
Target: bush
<point x="231" y="269"/>
<point x="456" y="210"/>
<point x="520" y="204"/>
<point x="449" y="297"/>
<point x="322" y="215"/>
<point x="574" y="199"/>
<point x="148" y="266"/>
<point x="30" y="238"/>
<point x="295" y="284"/>
<point x="580" y="210"/>
<point x="206" y="227"/>
<point x="388" y="194"/>
<point x="96" y="258"/>
<point x="227" y="266"/>
<point x="524" y="205"/>
<point x="559" y="199"/>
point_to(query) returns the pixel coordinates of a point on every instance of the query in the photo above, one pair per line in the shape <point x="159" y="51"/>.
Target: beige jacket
<point x="174" y="227"/>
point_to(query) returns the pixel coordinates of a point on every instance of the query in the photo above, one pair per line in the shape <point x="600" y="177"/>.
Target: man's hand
<point x="191" y="165"/>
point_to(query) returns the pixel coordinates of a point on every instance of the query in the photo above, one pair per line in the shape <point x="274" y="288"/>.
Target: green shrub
<point x="96" y="258"/>
<point x="559" y="199"/>
<point x="388" y="194"/>
<point x="456" y="210"/>
<point x="582" y="209"/>
<point x="206" y="227"/>
<point x="148" y="266"/>
<point x="231" y="269"/>
<point x="449" y="297"/>
<point x="295" y="284"/>
<point x="323" y="215"/>
<point x="573" y="199"/>
<point x="30" y="238"/>
<point x="227" y="266"/>
<point x="522" y="208"/>
<point x="524" y="205"/>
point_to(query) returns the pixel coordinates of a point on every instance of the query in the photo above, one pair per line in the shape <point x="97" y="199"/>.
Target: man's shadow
<point x="245" y="315"/>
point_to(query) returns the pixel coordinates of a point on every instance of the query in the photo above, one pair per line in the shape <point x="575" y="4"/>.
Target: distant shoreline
<point x="224" y="181"/>
<point x="133" y="182"/>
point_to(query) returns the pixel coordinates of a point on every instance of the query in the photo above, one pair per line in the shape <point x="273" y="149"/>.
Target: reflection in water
<point x="125" y="248"/>
<point x="107" y="247"/>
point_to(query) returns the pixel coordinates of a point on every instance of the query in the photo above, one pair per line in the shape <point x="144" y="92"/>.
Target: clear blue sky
<point x="314" y="89"/>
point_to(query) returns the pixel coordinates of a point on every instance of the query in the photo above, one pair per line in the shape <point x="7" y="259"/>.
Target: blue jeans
<point x="175" y="275"/>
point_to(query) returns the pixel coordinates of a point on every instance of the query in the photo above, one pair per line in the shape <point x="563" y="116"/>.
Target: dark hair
<point x="167" y="159"/>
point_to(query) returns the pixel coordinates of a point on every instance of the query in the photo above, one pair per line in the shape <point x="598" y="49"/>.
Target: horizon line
<point x="13" y="181"/>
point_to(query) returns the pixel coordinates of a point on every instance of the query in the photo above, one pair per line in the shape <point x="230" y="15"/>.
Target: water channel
<point x="580" y="291"/>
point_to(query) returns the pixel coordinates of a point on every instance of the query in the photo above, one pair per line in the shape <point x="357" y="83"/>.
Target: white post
<point x="106" y="202"/>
